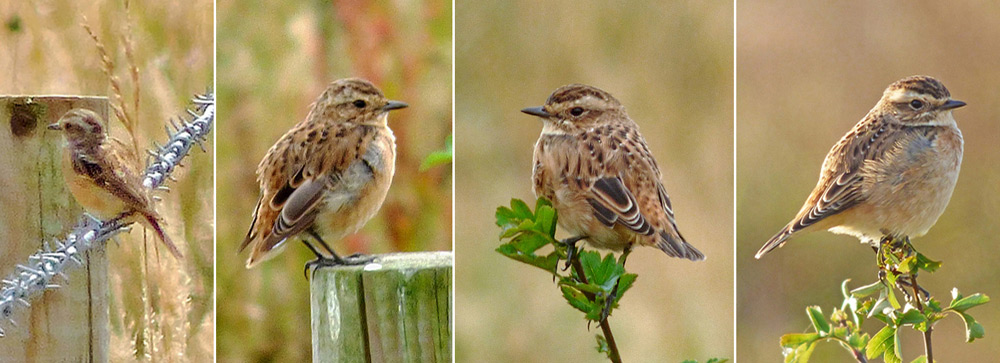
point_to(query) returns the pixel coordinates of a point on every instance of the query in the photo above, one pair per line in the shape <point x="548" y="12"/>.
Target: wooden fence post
<point x="68" y="324"/>
<point x="395" y="309"/>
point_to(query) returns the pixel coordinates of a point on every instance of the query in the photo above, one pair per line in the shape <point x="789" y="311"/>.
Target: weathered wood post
<point x="69" y="324"/>
<point x="395" y="309"/>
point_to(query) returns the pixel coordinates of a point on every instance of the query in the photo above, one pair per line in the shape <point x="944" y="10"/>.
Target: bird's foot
<point x="572" y="251"/>
<point x="909" y="282"/>
<point x="357" y="259"/>
<point x="352" y="260"/>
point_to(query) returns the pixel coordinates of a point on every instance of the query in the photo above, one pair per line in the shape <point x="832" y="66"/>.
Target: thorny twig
<point x="39" y="273"/>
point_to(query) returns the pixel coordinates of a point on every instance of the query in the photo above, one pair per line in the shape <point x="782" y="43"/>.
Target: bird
<point x="327" y="176"/>
<point x="98" y="171"/>
<point x="893" y="174"/>
<point x="594" y="166"/>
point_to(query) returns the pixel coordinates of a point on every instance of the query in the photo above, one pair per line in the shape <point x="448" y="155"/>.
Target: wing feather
<point x="840" y="185"/>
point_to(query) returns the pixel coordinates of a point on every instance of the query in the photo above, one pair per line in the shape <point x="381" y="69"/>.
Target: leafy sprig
<point x="527" y="233"/>
<point x="899" y="264"/>
<point x="594" y="285"/>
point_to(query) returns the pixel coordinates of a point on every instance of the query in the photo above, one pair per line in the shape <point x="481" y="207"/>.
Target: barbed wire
<point x="44" y="266"/>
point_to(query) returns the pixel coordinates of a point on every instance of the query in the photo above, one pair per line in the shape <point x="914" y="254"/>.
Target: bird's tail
<point x="777" y="241"/>
<point x="154" y="221"/>
<point x="676" y="246"/>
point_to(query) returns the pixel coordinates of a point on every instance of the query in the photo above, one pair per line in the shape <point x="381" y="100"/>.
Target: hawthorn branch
<point x="605" y="325"/>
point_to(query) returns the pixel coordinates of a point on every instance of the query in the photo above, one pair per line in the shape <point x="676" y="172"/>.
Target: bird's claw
<point x="352" y="260"/>
<point x="571" y="250"/>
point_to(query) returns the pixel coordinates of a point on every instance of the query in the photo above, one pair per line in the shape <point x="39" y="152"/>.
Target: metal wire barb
<point x="40" y="272"/>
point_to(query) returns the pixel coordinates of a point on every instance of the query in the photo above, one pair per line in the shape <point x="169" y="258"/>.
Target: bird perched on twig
<point x="100" y="174"/>
<point x="327" y="176"/>
<point x="593" y="165"/>
<point x="892" y="175"/>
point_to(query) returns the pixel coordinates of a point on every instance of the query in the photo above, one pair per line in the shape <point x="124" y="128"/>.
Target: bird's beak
<point x="952" y="104"/>
<point x="54" y="126"/>
<point x="394" y="105"/>
<point x="537" y="111"/>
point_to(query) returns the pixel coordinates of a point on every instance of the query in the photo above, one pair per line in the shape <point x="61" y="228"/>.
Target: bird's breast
<point x="93" y="198"/>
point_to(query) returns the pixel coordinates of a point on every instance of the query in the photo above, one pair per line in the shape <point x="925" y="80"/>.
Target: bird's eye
<point x="576" y="111"/>
<point x="916" y="104"/>
<point x="360" y="104"/>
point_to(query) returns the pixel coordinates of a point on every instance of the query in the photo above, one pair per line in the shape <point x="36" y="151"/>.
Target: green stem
<point x="605" y="326"/>
<point x="928" y="350"/>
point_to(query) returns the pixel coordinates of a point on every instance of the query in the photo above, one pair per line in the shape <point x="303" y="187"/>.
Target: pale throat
<point x="552" y="128"/>
<point x="944" y="118"/>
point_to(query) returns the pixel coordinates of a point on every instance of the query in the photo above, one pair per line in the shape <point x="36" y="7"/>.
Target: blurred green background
<point x="275" y="58"/>
<point x="670" y="63"/>
<point x="806" y="74"/>
<point x="161" y="308"/>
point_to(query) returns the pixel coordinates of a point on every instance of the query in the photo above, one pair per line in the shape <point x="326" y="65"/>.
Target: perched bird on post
<point x="100" y="174"/>
<point x="327" y="176"/>
<point x="892" y="175"/>
<point x="593" y="165"/>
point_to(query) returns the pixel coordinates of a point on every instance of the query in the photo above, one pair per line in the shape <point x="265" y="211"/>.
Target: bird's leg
<point x="614" y="291"/>
<point x="305" y="270"/>
<point x="571" y="250"/>
<point x="321" y="260"/>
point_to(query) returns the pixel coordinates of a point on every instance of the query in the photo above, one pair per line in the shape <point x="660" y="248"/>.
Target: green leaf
<point x="867" y="290"/>
<point x="439" y="157"/>
<point x="520" y="209"/>
<point x="548" y="263"/>
<point x="968" y="302"/>
<point x="602" y="346"/>
<point x="603" y="273"/>
<point x="891" y="296"/>
<point x="819" y="322"/>
<point x="796" y="339"/>
<point x="542" y="202"/>
<point x="624" y="283"/>
<point x="586" y="288"/>
<point x="911" y="316"/>
<point x="973" y="330"/>
<point x="897" y="353"/>
<point x="506" y="220"/>
<point x="907" y="264"/>
<point x="545" y="220"/>
<point x="927" y="264"/>
<point x="577" y="299"/>
<point x="879" y="306"/>
<point x="857" y="341"/>
<point x="882" y="342"/>
<point x="920" y="359"/>
<point x="799" y="354"/>
<point x="530" y="241"/>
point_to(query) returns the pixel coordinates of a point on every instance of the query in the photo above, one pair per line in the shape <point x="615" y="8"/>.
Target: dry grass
<point x="161" y="308"/>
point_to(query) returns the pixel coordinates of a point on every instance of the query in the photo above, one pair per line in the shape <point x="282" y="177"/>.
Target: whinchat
<point x="893" y="174"/>
<point x="99" y="172"/>
<point x="328" y="175"/>
<point x="593" y="165"/>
